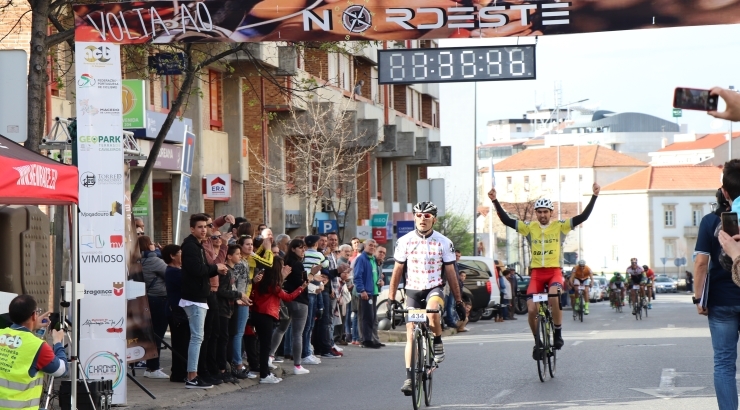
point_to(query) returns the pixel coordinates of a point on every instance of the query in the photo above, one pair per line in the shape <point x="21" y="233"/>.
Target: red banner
<point x="333" y="20"/>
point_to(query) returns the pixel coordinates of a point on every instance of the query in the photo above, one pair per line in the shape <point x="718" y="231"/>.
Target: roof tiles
<point x="591" y="156"/>
<point x="671" y="178"/>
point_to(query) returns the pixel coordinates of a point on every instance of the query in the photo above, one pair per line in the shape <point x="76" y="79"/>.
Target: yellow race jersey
<point x="546" y="242"/>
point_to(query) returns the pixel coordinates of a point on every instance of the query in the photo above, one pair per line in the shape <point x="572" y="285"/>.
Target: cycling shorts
<point x="544" y="276"/>
<point x="584" y="282"/>
<point x="417" y="299"/>
<point x="617" y="285"/>
<point x="637" y="280"/>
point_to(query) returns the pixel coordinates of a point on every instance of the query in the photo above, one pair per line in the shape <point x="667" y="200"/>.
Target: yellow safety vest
<point x="18" y="390"/>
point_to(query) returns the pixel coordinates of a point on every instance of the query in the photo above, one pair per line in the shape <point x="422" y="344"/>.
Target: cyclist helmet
<point x="425" y="207"/>
<point x="581" y="263"/>
<point x="544" y="203"/>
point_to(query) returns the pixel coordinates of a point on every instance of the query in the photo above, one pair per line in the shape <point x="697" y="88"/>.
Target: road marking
<point x="500" y="395"/>
<point x="577" y="342"/>
<point x="670" y="325"/>
<point x="594" y="332"/>
<point x="606" y="324"/>
<point x="667" y="387"/>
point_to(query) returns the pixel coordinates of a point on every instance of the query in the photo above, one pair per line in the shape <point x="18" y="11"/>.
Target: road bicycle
<point x="547" y="358"/>
<point x="636" y="301"/>
<point x="422" y="357"/>
<point x="615" y="296"/>
<point x="580" y="304"/>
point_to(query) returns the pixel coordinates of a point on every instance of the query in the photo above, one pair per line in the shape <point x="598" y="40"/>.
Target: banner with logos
<point x="101" y="222"/>
<point x="329" y="20"/>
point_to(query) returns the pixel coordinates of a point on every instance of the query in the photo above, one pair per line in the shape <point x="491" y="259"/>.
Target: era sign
<point x="217" y="187"/>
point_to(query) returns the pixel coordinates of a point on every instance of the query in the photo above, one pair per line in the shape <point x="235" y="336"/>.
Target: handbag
<point x="284" y="314"/>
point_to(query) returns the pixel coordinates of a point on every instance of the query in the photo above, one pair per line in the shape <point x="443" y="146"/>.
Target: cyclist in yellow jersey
<point x="545" y="239"/>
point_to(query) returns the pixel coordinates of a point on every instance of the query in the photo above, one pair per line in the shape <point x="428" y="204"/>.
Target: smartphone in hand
<point x="694" y="99"/>
<point x="729" y="223"/>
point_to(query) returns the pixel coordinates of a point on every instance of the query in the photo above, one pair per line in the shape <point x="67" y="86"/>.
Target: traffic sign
<point x="326" y="226"/>
<point x="404" y="227"/>
<point x="677" y="112"/>
<point x="379" y="234"/>
<point x="379" y="220"/>
<point x="188" y="153"/>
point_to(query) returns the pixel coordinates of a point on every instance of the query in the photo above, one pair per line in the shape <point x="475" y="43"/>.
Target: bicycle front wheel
<point x="542" y="345"/>
<point x="417" y="368"/>
<point x="428" y="370"/>
<point x="645" y="306"/>
<point x="551" y="355"/>
<point x="582" y="306"/>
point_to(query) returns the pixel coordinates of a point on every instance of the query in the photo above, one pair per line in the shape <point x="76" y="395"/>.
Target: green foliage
<point x="456" y="227"/>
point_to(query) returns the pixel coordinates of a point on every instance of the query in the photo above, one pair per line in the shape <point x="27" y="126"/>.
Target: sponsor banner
<point x="133" y="104"/>
<point x="218" y="187"/>
<point x="284" y="20"/>
<point x="141" y="207"/>
<point x="101" y="221"/>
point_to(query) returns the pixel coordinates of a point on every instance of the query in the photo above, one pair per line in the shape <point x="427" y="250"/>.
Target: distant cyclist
<point x="616" y="284"/>
<point x="582" y="276"/>
<point x="545" y="238"/>
<point x="650" y="275"/>
<point x="637" y="277"/>
<point x="429" y="258"/>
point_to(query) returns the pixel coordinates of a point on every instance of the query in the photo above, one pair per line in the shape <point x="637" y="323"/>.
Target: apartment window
<point x="345" y="82"/>
<point x="518" y="128"/>
<point x="543" y="179"/>
<point x="614" y="220"/>
<point x="215" y="91"/>
<point x="669" y="216"/>
<point x="374" y="89"/>
<point x="670" y="248"/>
<point x="526" y="183"/>
<point x="697" y="211"/>
<point x="509" y="187"/>
<point x="615" y="252"/>
<point x="169" y="90"/>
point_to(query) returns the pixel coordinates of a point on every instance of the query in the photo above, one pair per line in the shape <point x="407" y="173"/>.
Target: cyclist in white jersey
<point x="424" y="253"/>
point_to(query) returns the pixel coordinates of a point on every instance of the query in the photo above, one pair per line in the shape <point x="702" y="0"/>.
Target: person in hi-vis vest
<point x="24" y="356"/>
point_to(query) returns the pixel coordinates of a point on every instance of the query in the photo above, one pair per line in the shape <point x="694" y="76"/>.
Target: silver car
<point x="664" y="284"/>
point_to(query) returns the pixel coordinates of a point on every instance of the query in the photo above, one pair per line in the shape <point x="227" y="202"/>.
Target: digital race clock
<point x="457" y="64"/>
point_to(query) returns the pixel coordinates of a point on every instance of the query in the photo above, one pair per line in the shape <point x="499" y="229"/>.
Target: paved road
<point x="609" y="361"/>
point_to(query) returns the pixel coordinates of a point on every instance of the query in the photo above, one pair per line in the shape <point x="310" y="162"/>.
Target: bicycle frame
<point x="422" y="362"/>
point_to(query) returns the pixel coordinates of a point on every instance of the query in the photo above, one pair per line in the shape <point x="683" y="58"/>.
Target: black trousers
<point x="252" y="347"/>
<point x="367" y="317"/>
<point x="264" y="325"/>
<point x="180" y="333"/>
<point x="222" y="343"/>
<point x="208" y="359"/>
<point x="158" y="311"/>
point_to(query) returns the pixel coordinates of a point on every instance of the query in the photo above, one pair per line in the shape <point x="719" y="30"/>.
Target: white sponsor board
<point x="102" y="221"/>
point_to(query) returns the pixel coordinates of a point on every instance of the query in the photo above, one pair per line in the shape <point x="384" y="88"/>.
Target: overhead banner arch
<point x="331" y="20"/>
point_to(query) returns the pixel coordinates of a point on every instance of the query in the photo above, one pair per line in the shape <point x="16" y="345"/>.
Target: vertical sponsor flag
<point x="101" y="222"/>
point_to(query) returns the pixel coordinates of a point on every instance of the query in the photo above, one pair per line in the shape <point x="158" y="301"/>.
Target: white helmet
<point x="544" y="203"/>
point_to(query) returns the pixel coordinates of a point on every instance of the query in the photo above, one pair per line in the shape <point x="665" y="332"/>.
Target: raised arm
<point x="502" y="215"/>
<point x="579" y="219"/>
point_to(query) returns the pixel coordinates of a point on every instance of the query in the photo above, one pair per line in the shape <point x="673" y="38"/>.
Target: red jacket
<point x="269" y="304"/>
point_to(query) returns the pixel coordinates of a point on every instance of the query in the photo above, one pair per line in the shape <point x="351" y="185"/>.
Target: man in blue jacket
<point x="368" y="281"/>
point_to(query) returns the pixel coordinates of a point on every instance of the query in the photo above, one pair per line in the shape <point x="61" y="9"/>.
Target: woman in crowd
<point x="176" y="316"/>
<point x="266" y="297"/>
<point x="156" y="291"/>
<point x="298" y="308"/>
<point x="228" y="298"/>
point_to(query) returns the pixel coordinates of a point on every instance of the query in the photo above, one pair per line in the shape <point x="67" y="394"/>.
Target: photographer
<point x="25" y="357"/>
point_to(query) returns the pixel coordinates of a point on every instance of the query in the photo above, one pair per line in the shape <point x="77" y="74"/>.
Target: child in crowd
<point x="228" y="298"/>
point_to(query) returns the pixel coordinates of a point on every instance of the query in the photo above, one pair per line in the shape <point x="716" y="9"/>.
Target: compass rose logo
<point x="357" y="19"/>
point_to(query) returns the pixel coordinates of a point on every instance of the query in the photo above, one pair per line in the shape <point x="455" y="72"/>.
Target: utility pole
<point x="475" y="169"/>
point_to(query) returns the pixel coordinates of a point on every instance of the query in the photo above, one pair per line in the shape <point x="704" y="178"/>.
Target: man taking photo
<point x="26" y="357"/>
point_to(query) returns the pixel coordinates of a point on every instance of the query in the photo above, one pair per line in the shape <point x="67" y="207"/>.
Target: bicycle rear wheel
<point x="541" y="338"/>
<point x="428" y="370"/>
<point x="582" y="306"/>
<point x="645" y="306"/>
<point x="551" y="352"/>
<point x="417" y="369"/>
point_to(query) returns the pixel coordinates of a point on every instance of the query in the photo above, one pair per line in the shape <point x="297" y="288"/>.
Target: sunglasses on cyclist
<point x="425" y="215"/>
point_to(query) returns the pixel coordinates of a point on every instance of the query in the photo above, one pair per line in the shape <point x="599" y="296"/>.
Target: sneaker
<point x="270" y="365"/>
<point x="228" y="378"/>
<point x="140" y="365"/>
<point x="310" y="360"/>
<point x="406" y="388"/>
<point x="300" y="370"/>
<point x="331" y="355"/>
<point x="343" y="342"/>
<point x="240" y="374"/>
<point x="278" y="359"/>
<point x="253" y="375"/>
<point x="355" y="343"/>
<point x="439" y="352"/>
<point x="212" y="380"/>
<point x="338" y="349"/>
<point x="197" y="383"/>
<point x="316" y="358"/>
<point x="337" y="352"/>
<point x="157" y="374"/>
<point x="650" y="305"/>
<point x="270" y="379"/>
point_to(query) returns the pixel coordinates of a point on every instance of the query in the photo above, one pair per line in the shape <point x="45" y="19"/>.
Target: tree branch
<point x="62" y="36"/>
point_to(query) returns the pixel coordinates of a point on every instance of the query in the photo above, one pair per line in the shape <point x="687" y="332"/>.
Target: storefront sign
<point x="379" y="220"/>
<point x="194" y="21"/>
<point x="176" y="134"/>
<point x="169" y="158"/>
<point x="404" y="227"/>
<point x="364" y="233"/>
<point x="380" y="235"/>
<point x="132" y="100"/>
<point x="102" y="199"/>
<point x="217" y="187"/>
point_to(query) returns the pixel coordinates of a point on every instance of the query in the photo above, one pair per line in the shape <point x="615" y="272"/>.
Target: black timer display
<point x="457" y="64"/>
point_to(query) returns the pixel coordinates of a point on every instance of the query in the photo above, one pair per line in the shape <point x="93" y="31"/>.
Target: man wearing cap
<point x="26" y="357"/>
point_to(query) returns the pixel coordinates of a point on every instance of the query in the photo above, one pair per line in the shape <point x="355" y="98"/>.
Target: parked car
<point x="486" y="265"/>
<point x="603" y="286"/>
<point x="664" y="284"/>
<point x="520" y="301"/>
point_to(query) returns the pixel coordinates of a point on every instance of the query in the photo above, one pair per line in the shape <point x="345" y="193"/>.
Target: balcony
<point x="690" y="231"/>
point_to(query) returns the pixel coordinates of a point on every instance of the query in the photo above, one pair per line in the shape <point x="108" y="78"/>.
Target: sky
<point x="627" y="71"/>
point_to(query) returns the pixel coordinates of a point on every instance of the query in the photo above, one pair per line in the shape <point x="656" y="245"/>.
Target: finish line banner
<point x="331" y="20"/>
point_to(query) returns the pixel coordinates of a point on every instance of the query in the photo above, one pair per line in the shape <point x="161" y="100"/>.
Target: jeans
<point x="197" y="320"/>
<point x="724" y="323"/>
<point x="242" y="314"/>
<point x="306" y="348"/>
<point x="293" y="344"/>
<point x="348" y="323"/>
<point x="355" y="327"/>
<point x="505" y="308"/>
<point x="451" y="317"/>
<point x="158" y="310"/>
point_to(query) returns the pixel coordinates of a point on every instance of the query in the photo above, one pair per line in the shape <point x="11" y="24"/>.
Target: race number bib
<point x="540" y="297"/>
<point x="417" y="315"/>
<point x="636" y="287"/>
